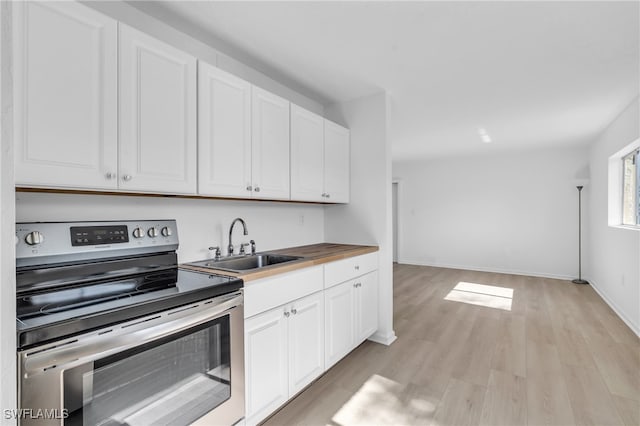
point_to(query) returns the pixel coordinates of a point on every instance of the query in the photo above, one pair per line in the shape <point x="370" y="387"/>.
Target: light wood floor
<point x="558" y="356"/>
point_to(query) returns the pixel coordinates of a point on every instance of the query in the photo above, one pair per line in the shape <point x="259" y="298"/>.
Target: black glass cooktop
<point x="45" y="315"/>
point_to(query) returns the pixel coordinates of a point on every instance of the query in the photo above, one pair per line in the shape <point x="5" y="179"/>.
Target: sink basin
<point x="245" y="263"/>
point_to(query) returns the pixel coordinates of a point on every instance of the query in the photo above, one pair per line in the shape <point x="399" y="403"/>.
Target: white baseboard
<point x="634" y="327"/>
<point x="485" y="269"/>
<point x="383" y="339"/>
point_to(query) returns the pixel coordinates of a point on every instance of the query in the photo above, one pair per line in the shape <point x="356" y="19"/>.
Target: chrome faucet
<point x="244" y="228"/>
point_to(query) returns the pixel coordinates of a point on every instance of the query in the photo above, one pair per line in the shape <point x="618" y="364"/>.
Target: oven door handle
<point x="111" y="340"/>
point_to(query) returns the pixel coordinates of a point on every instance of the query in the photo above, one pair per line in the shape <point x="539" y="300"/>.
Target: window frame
<point x="616" y="181"/>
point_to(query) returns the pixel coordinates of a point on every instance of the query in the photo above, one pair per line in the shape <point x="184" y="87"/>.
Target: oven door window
<point x="171" y="381"/>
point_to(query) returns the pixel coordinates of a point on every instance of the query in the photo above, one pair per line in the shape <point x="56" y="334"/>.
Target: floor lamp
<point x="579" y="280"/>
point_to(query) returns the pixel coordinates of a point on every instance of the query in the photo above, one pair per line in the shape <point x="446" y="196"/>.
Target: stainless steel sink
<point x="245" y="263"/>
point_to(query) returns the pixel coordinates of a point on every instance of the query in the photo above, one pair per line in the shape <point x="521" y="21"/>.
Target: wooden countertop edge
<point x="338" y="252"/>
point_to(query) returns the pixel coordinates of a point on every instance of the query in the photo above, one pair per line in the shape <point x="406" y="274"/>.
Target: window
<point x="631" y="188"/>
<point x="624" y="188"/>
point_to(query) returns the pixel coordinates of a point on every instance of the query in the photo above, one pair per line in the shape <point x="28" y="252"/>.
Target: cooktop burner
<point x="54" y="314"/>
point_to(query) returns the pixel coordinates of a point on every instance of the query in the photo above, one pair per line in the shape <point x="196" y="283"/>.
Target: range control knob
<point x="166" y="232"/>
<point x="138" y="233"/>
<point x="153" y="232"/>
<point x="33" y="238"/>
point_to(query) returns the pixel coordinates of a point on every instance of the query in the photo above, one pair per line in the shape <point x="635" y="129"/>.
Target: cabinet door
<point x="270" y="145"/>
<point x="336" y="163"/>
<point x="65" y="78"/>
<point x="307" y="155"/>
<point x="339" y="322"/>
<point x="306" y="341"/>
<point x="366" y="306"/>
<point x="224" y="133"/>
<point x="157" y="115"/>
<point x="266" y="363"/>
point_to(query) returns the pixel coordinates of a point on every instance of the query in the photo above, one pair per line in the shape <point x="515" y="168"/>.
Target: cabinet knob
<point x="355" y="285"/>
<point x="286" y="314"/>
<point x="109" y="175"/>
<point x="127" y="178"/>
<point x="357" y="267"/>
<point x="324" y="194"/>
<point x="294" y="311"/>
<point x="328" y="195"/>
<point x="256" y="189"/>
<point x="249" y="188"/>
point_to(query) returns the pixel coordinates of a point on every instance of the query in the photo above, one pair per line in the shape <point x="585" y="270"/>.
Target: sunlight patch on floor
<point x="381" y="401"/>
<point x="489" y="296"/>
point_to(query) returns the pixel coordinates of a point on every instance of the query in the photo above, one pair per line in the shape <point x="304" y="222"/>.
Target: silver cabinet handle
<point x="355" y="285"/>
<point x="357" y="267"/>
<point x="256" y="189"/>
<point x="358" y="284"/>
<point x="249" y="188"/>
<point x="324" y="194"/>
<point x="110" y="175"/>
<point x="286" y="314"/>
<point x="328" y="195"/>
<point x="294" y="311"/>
<point x="127" y="178"/>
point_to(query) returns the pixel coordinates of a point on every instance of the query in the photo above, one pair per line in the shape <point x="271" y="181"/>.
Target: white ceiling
<point x="531" y="73"/>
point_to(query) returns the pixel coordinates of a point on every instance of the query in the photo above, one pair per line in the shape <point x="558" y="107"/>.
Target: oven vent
<point x="140" y="322"/>
<point x="48" y="348"/>
<point x="183" y="309"/>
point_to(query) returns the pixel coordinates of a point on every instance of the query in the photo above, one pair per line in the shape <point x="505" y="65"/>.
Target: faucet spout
<point x="244" y="229"/>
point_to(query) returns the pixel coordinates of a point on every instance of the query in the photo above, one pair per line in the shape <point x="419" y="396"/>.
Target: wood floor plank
<point x="505" y="402"/>
<point x="461" y="404"/>
<point x="628" y="409"/>
<point x="619" y="366"/>
<point x="548" y="400"/>
<point x="509" y="355"/>
<point x="590" y="400"/>
<point x="473" y="363"/>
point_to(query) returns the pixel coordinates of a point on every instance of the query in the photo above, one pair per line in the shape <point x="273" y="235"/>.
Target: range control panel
<point x="50" y="242"/>
<point x="94" y="235"/>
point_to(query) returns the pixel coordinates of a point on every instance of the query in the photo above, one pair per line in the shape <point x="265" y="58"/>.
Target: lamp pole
<point x="579" y="280"/>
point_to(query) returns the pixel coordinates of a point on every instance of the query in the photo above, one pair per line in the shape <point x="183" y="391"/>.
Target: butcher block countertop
<point x="314" y="254"/>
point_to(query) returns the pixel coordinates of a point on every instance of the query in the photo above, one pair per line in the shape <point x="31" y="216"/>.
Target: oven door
<point x="178" y="367"/>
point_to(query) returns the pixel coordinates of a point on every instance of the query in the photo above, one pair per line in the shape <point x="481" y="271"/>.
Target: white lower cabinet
<point x="266" y="363"/>
<point x="284" y="352"/>
<point x="298" y="324"/>
<point x="351" y="315"/>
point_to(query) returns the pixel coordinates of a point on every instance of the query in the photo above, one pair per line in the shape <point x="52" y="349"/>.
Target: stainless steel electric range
<point x="111" y="332"/>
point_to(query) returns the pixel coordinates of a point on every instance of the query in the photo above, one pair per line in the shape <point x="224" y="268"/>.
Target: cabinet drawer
<point x="262" y="295"/>
<point x="346" y="269"/>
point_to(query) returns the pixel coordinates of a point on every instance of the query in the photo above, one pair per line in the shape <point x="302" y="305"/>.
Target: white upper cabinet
<point x="336" y="163"/>
<point x="65" y="75"/>
<point x="224" y="133"/>
<point x="307" y="155"/>
<point x="157" y="115"/>
<point x="270" y="145"/>
<point x="319" y="158"/>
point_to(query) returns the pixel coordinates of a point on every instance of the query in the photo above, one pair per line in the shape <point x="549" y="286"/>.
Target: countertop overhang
<point x="312" y="255"/>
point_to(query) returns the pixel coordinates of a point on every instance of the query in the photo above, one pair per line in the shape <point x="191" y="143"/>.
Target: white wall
<point x="615" y="253"/>
<point x="367" y="217"/>
<point x="201" y="222"/>
<point x="510" y="212"/>
<point x="7" y="220"/>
